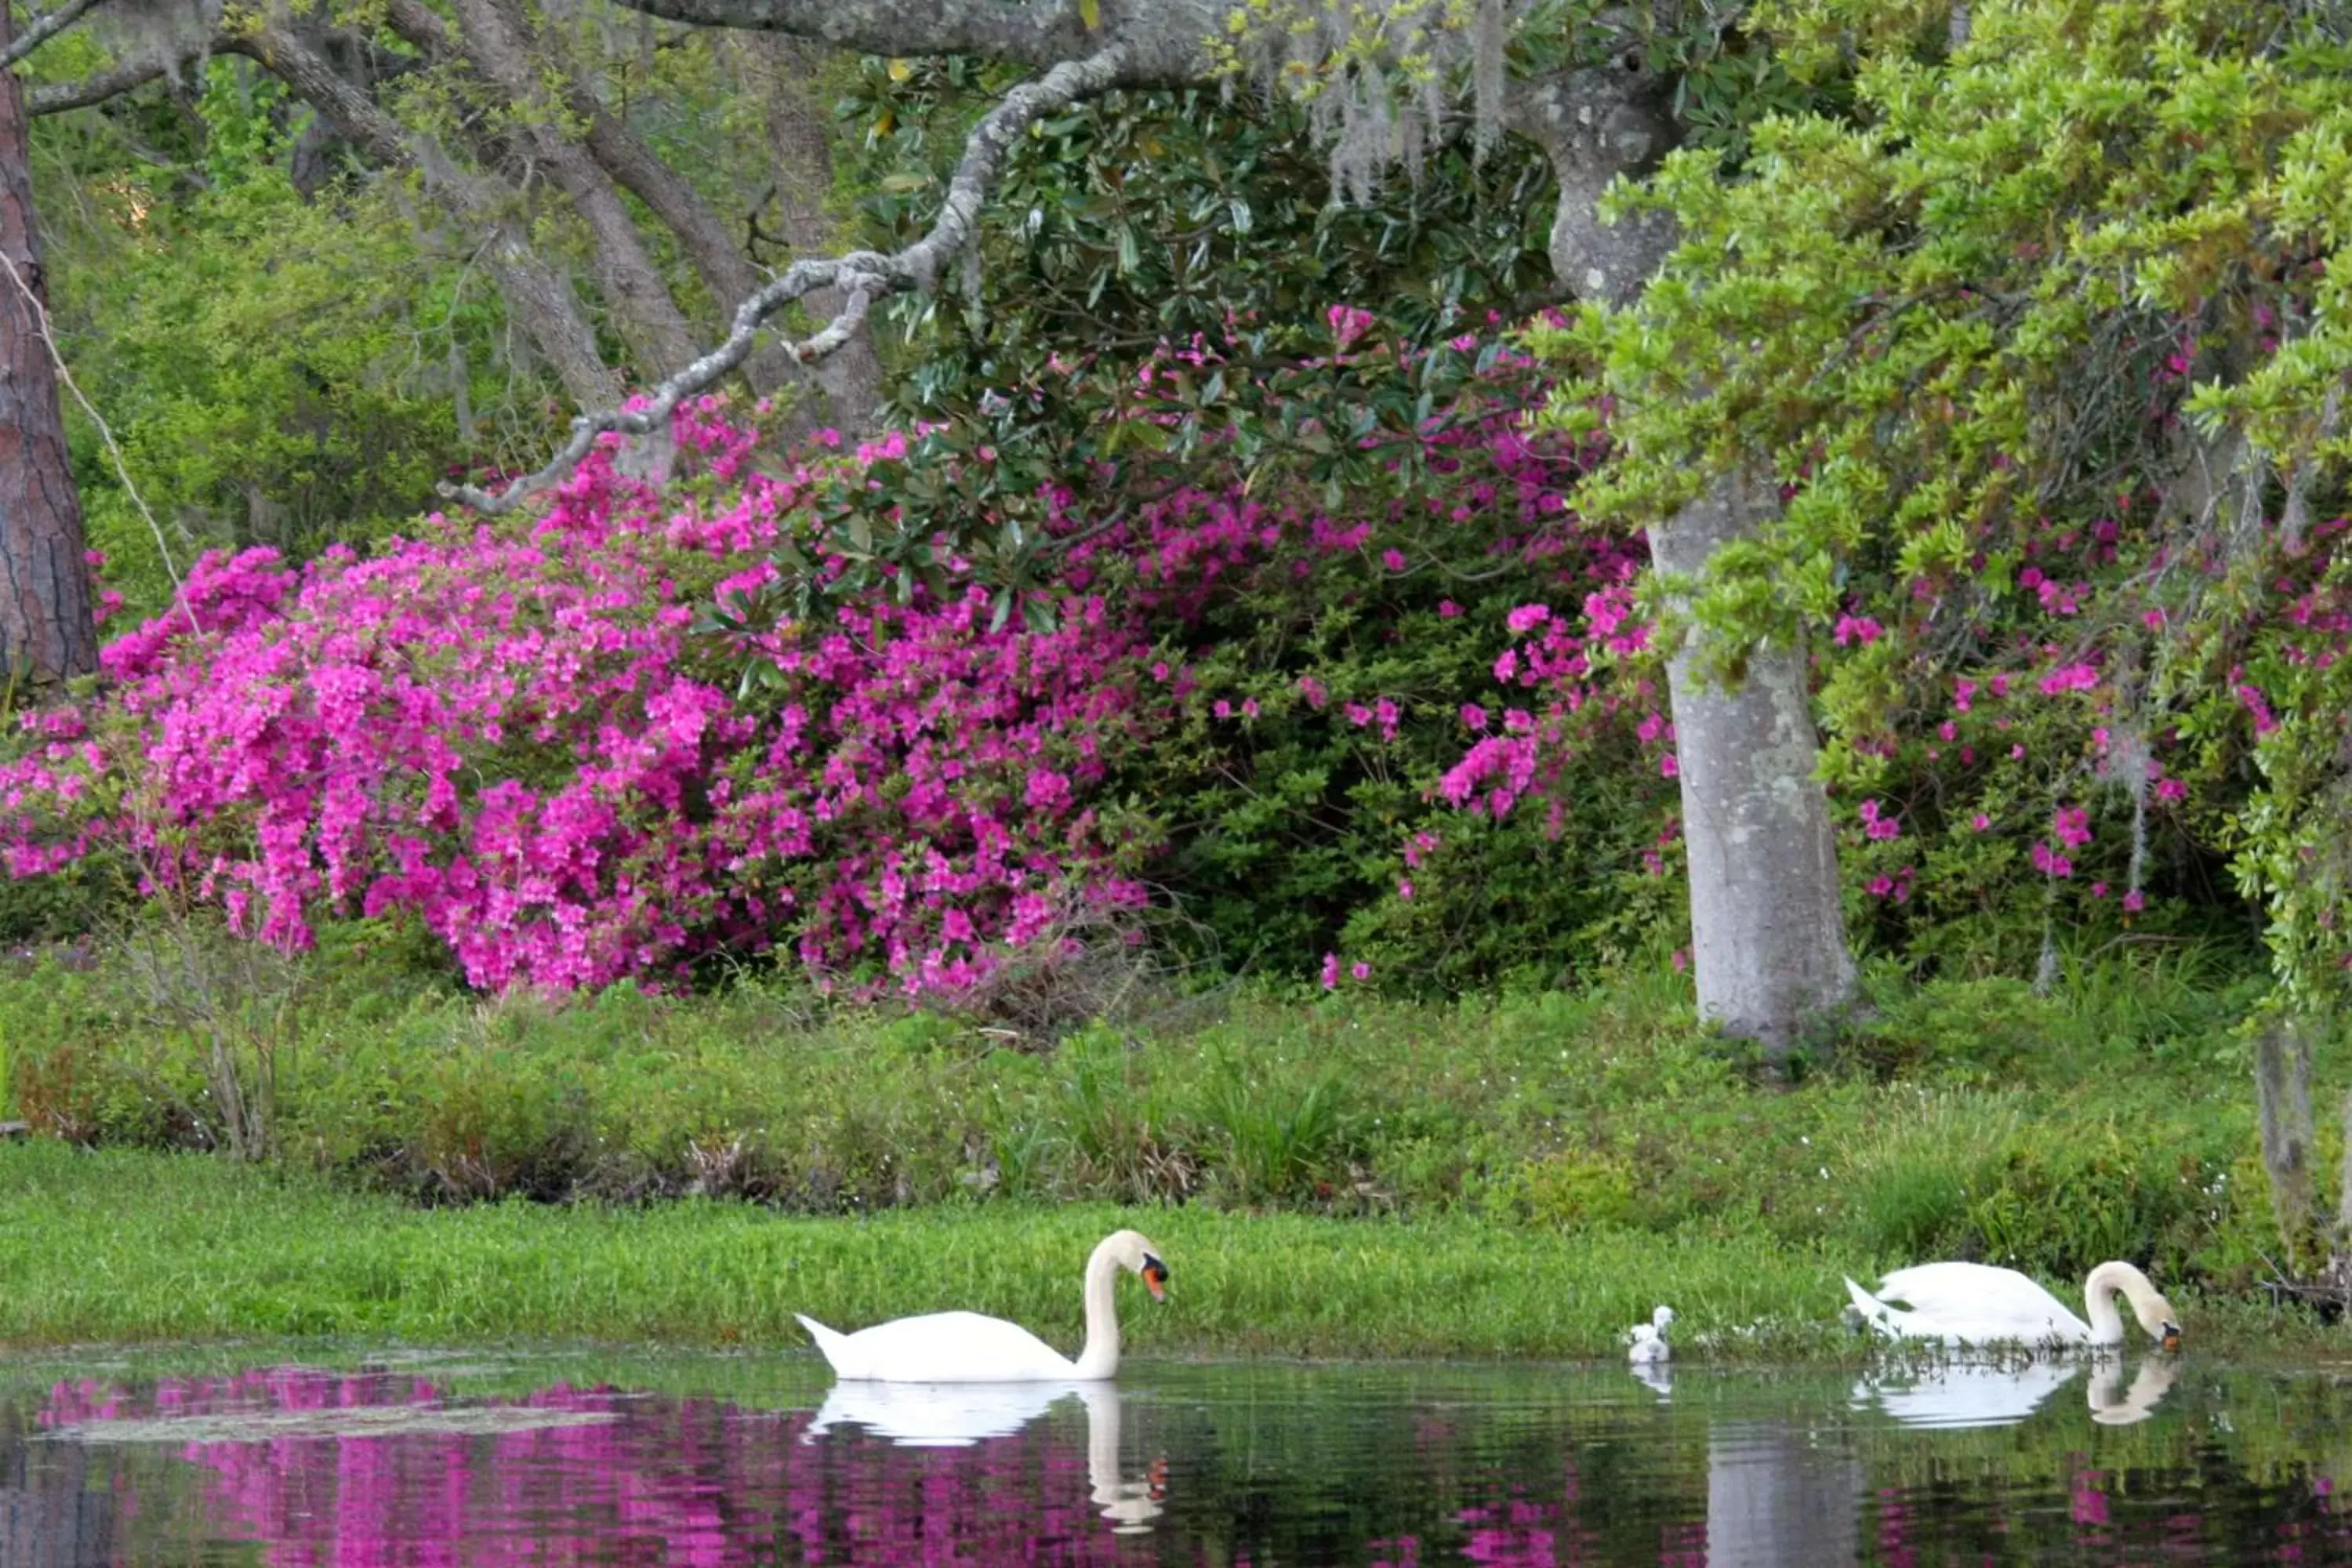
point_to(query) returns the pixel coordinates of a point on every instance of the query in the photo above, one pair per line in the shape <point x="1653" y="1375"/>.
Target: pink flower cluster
<point x="515" y="736"/>
<point x="1573" y="672"/>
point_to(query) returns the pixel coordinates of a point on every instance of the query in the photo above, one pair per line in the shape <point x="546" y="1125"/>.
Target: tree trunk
<point x="844" y="389"/>
<point x="2283" y="1108"/>
<point x="1768" y="932"/>
<point x="47" y="630"/>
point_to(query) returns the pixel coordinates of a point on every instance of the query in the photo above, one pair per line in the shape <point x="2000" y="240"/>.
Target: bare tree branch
<point x="58" y="96"/>
<point x="42" y="29"/>
<point x="1033" y="33"/>
<point x="540" y="297"/>
<point x="862" y="276"/>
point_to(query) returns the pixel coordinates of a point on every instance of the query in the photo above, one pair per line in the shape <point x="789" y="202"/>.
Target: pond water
<point x="409" y="1457"/>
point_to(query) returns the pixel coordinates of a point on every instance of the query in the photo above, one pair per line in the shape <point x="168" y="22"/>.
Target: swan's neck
<point x="1101" y="1356"/>
<point x="2099" y="1292"/>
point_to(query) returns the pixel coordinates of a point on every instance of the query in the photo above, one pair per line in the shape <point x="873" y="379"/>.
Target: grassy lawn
<point x="134" y="1246"/>
<point x="1521" y="1177"/>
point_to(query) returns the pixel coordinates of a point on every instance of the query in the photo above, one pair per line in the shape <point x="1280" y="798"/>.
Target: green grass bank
<point x="1330" y="1176"/>
<point x="131" y="1246"/>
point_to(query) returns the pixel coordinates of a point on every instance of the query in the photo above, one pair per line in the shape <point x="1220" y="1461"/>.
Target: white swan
<point x="1649" y="1339"/>
<point x="966" y="1347"/>
<point x="1977" y="1304"/>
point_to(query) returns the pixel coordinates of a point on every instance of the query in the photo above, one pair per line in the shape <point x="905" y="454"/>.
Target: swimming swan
<point x="965" y="1347"/>
<point x="1649" y="1339"/>
<point x="1976" y="1304"/>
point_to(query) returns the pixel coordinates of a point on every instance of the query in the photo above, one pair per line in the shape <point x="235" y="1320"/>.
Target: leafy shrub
<point x="515" y="738"/>
<point x="1573" y="1187"/>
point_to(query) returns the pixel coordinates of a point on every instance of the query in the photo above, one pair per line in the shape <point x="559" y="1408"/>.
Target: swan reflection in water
<point x="963" y="1414"/>
<point x="2109" y="1408"/>
<point x="1658" y="1376"/>
<point x="1975" y="1393"/>
<point x="1964" y="1394"/>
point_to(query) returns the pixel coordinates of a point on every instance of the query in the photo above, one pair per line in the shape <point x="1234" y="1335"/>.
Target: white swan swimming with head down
<point x="1977" y="1304"/>
<point x="966" y="1347"/>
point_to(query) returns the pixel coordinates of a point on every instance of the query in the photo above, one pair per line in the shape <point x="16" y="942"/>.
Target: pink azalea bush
<point x="523" y="735"/>
<point x="516" y="736"/>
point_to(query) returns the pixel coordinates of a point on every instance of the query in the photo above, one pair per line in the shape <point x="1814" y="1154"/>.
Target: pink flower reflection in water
<point x="693" y="1482"/>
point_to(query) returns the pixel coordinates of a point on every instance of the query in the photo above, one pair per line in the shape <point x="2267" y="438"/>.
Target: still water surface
<point x="404" y="1457"/>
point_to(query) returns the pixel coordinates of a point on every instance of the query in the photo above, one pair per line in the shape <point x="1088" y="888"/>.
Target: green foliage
<point x="1142" y="223"/>
<point x="1986" y="327"/>
<point x="1966" y="1119"/>
<point x="274" y="369"/>
<point x="1298" y="827"/>
<point x="1572" y="1188"/>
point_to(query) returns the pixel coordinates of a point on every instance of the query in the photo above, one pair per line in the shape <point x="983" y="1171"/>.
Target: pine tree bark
<point x="46" y="629"/>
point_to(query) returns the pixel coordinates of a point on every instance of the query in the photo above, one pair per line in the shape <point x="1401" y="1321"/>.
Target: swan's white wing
<point x="1966" y="1395"/>
<point x="935" y="1414"/>
<point x="947" y="1347"/>
<point x="1975" y="1303"/>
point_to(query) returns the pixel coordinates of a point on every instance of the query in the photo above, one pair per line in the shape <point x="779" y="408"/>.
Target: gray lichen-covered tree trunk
<point x="1767" y="930"/>
<point x="2315" y="1233"/>
<point x="1768" y="926"/>
<point x="46" y="629"/>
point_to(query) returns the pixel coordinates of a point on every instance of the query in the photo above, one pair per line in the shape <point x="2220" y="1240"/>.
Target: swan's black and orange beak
<point x="1155" y="1276"/>
<point x="2170" y="1338"/>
